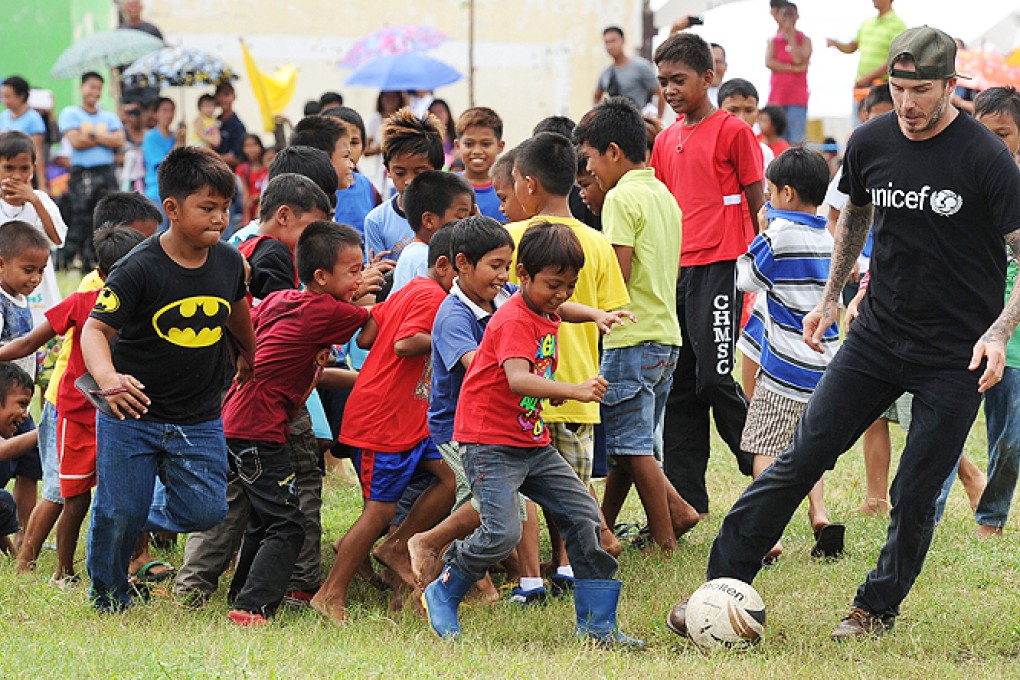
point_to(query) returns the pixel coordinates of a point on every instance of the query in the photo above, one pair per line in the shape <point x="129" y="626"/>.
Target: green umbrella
<point x="105" y="50"/>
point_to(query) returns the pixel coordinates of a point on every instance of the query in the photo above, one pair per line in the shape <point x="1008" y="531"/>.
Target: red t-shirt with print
<point x="720" y="157"/>
<point x="387" y="409"/>
<point x="72" y="313"/>
<point x="487" y="411"/>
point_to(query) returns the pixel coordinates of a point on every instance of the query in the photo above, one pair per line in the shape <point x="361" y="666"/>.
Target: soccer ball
<point x="725" y="612"/>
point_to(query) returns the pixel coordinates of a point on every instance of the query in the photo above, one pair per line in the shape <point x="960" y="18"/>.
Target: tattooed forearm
<point x="1003" y="328"/>
<point x="851" y="235"/>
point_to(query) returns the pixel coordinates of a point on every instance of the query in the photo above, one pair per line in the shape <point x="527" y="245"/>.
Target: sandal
<point x="147" y="574"/>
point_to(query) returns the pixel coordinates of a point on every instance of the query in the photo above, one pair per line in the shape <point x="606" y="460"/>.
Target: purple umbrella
<point x="392" y="40"/>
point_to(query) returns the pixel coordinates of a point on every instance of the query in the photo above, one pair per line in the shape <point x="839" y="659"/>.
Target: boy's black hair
<point x="738" y="87"/>
<point x="17" y="237"/>
<point x="223" y="88"/>
<point x="475" y="236"/>
<point x="550" y="245"/>
<point x="652" y="129"/>
<point x="550" y="158"/>
<point x="294" y="190"/>
<point x="311" y="108"/>
<point x="19" y="85"/>
<point x="406" y="133"/>
<point x="582" y="162"/>
<point x="1002" y="100"/>
<point x="777" y="116"/>
<point x="112" y="242"/>
<point x="15" y="142"/>
<point x="319" y="247"/>
<point x="503" y="168"/>
<point x="320" y="132"/>
<point x="615" y="119"/>
<point x="480" y="116"/>
<point x="433" y="191"/>
<point x="89" y="75"/>
<point x="330" y="98"/>
<point x="206" y="98"/>
<point x="879" y="94"/>
<point x="188" y="169"/>
<point x="685" y="48"/>
<point x="777" y="4"/>
<point x="612" y="29"/>
<point x="560" y="124"/>
<point x="440" y="244"/>
<point x="124" y="207"/>
<point x="12" y="375"/>
<point x="349" y="115"/>
<point x="313" y="163"/>
<point x="804" y="170"/>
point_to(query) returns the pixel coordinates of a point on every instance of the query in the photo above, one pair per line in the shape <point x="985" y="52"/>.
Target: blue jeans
<point x="861" y="382"/>
<point x="48" y="454"/>
<point x="796" y="123"/>
<point x="640" y="378"/>
<point x="190" y="460"/>
<point x="496" y="474"/>
<point x="1002" y="416"/>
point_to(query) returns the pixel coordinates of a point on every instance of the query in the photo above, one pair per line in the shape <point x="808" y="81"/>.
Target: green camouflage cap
<point x="932" y="51"/>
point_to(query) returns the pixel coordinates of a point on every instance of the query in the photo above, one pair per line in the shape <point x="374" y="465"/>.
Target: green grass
<point x="961" y="619"/>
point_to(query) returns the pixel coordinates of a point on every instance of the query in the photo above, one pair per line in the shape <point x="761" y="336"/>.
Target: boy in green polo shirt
<point x="641" y="219"/>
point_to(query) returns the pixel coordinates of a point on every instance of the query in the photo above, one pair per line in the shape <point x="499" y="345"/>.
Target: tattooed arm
<point x="992" y="345"/>
<point x="851" y="234"/>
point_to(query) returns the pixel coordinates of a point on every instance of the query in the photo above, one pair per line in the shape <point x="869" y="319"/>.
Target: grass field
<point x="961" y="620"/>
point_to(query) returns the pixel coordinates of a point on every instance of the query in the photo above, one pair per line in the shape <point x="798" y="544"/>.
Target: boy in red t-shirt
<point x="504" y="442"/>
<point x="386" y="424"/>
<point x="76" y="417"/>
<point x="294" y="330"/>
<point x="711" y="162"/>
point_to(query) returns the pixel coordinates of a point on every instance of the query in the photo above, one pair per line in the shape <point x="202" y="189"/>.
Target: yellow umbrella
<point x="1014" y="57"/>
<point x="273" y="92"/>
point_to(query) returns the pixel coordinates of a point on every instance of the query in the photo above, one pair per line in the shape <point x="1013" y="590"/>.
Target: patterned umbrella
<point x="177" y="67"/>
<point x="104" y="50"/>
<point x="985" y="69"/>
<point x="390" y="41"/>
<point x="408" y="71"/>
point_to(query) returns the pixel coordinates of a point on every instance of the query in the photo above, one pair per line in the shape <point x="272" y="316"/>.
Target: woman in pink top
<point x="788" y="54"/>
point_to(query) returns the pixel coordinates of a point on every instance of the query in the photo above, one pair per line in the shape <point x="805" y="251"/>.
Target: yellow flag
<point x="273" y="92"/>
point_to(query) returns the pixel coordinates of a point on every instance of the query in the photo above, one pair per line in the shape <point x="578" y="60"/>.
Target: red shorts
<point x="76" y="453"/>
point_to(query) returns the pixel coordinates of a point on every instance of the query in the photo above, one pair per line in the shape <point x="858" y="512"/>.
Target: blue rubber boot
<point x="595" y="602"/>
<point x="441" y="600"/>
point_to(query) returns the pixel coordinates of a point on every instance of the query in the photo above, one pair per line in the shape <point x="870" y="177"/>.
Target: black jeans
<point x="85" y="188"/>
<point x="276" y="526"/>
<point x="708" y="306"/>
<point x="858" y="386"/>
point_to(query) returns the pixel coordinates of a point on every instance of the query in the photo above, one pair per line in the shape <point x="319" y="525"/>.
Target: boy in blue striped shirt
<point x="789" y="263"/>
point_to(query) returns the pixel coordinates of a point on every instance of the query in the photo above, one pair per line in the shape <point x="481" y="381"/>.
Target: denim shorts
<point x="385" y="476"/>
<point x="48" y="453"/>
<point x="639" y="381"/>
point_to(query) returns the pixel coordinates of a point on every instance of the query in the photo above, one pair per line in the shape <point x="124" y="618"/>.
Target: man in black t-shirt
<point x="945" y="194"/>
<point x="171" y="302"/>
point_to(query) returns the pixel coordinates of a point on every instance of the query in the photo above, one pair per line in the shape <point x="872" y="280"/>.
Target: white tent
<point x="743" y="28"/>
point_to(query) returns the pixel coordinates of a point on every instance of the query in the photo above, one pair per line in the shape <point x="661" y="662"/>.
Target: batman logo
<point x="107" y="301"/>
<point x="192" y="322"/>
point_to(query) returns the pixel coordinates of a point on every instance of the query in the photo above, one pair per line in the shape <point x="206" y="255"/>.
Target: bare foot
<point x="974" y="485"/>
<point x="686" y="521"/>
<point x="333" y="609"/>
<point x="422" y="557"/>
<point x="399" y="597"/>
<point x="610" y="543"/>
<point x="484" y="592"/>
<point x="393" y="555"/>
<point x="986" y="531"/>
<point x="874" y="506"/>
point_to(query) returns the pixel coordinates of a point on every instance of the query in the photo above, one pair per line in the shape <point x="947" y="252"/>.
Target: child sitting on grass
<point x="504" y="443"/>
<point x="386" y="424"/>
<point x="16" y="388"/>
<point x="172" y="301"/>
<point x="76" y="417"/>
<point x="294" y="331"/>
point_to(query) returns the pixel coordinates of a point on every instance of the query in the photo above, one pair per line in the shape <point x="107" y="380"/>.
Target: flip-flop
<point x="829" y="541"/>
<point x="147" y="575"/>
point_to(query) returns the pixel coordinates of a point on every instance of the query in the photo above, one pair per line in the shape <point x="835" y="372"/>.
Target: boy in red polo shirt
<point x="711" y="162"/>
<point x="504" y="443"/>
<point x="386" y="423"/>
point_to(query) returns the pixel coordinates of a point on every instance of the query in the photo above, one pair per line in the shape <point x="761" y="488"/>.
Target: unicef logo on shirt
<point x="946" y="202"/>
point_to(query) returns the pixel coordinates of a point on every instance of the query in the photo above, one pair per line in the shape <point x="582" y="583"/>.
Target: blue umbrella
<point x="409" y="71"/>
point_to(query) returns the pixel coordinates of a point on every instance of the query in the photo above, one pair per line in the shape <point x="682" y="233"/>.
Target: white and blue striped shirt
<point x="789" y="264"/>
